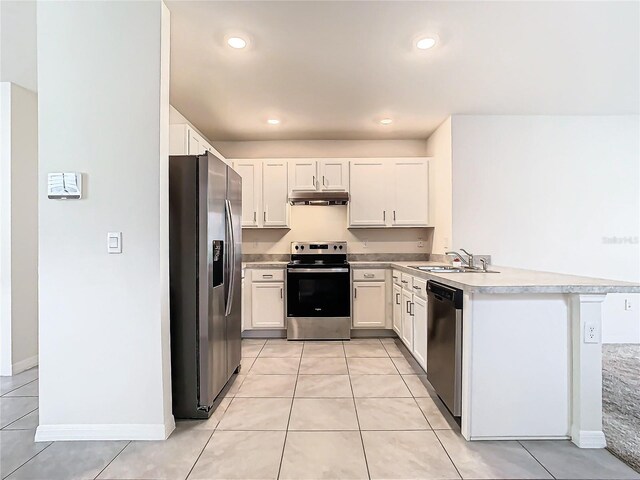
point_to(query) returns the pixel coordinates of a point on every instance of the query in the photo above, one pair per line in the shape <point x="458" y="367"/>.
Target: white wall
<point x="544" y="192"/>
<point x="19" y="229"/>
<point x="329" y="223"/>
<point x="322" y="148"/>
<point x="103" y="106"/>
<point x="18" y="50"/>
<point x="312" y="223"/>
<point x="440" y="186"/>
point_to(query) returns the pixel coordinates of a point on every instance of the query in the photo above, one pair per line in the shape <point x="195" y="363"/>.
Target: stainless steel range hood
<point x="319" y="198"/>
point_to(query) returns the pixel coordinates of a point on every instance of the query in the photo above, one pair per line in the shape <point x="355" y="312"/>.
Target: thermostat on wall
<point x="65" y="186"/>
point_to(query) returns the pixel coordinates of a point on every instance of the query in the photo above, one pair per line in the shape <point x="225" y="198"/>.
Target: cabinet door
<point x="249" y="170"/>
<point x="267" y="305"/>
<point x="333" y="174"/>
<point x="411" y="191"/>
<point x="195" y="147"/>
<point x="303" y="174"/>
<point x="407" y="319"/>
<point x="368" y="186"/>
<point x="369" y="304"/>
<point x="420" y="330"/>
<point x="275" y="194"/>
<point x="397" y="309"/>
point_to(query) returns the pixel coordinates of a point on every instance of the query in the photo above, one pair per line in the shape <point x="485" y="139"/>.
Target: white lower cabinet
<point x="420" y="330"/>
<point x="263" y="302"/>
<point x="267" y="305"/>
<point x="406" y="334"/>
<point x="369" y="302"/>
<point x="397" y="309"/>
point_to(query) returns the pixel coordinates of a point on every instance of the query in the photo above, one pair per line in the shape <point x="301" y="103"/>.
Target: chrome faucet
<point x="457" y="255"/>
<point x="470" y="262"/>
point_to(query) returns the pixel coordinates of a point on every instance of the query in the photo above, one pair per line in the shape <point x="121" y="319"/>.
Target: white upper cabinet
<point x="194" y="143"/>
<point x="265" y="202"/>
<point x="275" y="194"/>
<point x="368" y="189"/>
<point x="411" y="193"/>
<point x="251" y="173"/>
<point x="311" y="174"/>
<point x="333" y="174"/>
<point x="389" y="192"/>
<point x="303" y="174"/>
<point x="185" y="140"/>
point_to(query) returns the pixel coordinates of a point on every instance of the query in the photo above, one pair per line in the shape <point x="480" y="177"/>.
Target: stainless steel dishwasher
<point x="444" y="344"/>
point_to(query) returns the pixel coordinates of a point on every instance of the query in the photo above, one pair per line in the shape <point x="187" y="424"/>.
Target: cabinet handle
<point x="369" y="275"/>
<point x="314" y="182"/>
<point x="280" y="292"/>
<point x="384" y="215"/>
<point x="394" y="215"/>
<point x="416" y="287"/>
<point x="404" y="281"/>
<point x="408" y="307"/>
<point x="322" y="180"/>
<point x="395" y="277"/>
<point x="267" y="276"/>
<point x="264" y="216"/>
<point x="411" y="308"/>
<point x="255" y="217"/>
<point x="355" y="293"/>
<point x="397" y="299"/>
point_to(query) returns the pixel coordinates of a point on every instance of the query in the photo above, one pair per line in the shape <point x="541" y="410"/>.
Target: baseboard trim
<point x="77" y="432"/>
<point x="589" y="439"/>
<point x="24" y="365"/>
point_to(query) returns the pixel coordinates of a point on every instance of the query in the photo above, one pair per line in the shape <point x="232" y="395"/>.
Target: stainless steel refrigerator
<point x="205" y="241"/>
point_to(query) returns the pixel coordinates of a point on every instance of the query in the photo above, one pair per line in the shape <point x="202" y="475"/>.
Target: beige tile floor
<point x="312" y="410"/>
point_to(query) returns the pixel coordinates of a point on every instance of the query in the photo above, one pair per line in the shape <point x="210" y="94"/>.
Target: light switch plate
<point x="114" y="242"/>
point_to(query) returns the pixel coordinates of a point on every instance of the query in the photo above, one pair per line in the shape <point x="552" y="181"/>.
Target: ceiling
<point x="332" y="70"/>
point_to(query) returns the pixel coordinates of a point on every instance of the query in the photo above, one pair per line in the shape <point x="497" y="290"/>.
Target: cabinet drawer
<point x="368" y="275"/>
<point x="267" y="275"/>
<point x="420" y="287"/>
<point x="396" y="277"/>
<point x="406" y="281"/>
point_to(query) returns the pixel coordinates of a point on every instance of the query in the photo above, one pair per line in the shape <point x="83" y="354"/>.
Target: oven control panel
<point x="319" y="248"/>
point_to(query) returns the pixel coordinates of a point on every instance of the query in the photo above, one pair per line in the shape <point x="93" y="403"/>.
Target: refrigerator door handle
<point x="231" y="255"/>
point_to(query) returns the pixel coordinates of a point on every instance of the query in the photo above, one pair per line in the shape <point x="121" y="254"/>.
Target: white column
<point x="586" y="416"/>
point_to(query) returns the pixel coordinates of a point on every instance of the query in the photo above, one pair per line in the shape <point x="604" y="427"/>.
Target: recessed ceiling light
<point x="273" y="121"/>
<point x="425" y="43"/>
<point x="236" y="42"/>
<point x="386" y="121"/>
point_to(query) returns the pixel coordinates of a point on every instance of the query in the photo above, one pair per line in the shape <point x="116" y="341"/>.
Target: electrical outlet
<point x="591" y="332"/>
<point x="627" y="304"/>
<point x="420" y="243"/>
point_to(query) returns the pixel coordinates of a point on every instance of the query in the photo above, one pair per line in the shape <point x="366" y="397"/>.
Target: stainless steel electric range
<point x="318" y="291"/>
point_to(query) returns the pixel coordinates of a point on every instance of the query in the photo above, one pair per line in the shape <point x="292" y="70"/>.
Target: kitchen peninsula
<point x="531" y="346"/>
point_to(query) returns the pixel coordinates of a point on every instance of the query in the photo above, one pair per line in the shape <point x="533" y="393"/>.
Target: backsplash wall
<point x="329" y="223"/>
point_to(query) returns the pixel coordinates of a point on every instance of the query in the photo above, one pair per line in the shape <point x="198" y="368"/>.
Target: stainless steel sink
<point x="439" y="269"/>
<point x="450" y="269"/>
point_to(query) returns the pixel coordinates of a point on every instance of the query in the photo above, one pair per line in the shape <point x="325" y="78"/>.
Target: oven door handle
<point x="317" y="270"/>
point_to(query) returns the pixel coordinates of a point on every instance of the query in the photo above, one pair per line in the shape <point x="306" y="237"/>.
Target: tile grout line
<point x="414" y="398"/>
<point x="18" y="387"/>
<point x="20" y="418"/>
<point x="22" y="465"/>
<point x="364" y="452"/>
<point x="448" y="456"/>
<point x="201" y="452"/>
<point x="536" y="459"/>
<point x="111" y="461"/>
<point x="286" y="432"/>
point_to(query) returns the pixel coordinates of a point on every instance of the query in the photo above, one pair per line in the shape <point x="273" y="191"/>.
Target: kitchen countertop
<point x="509" y="280"/>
